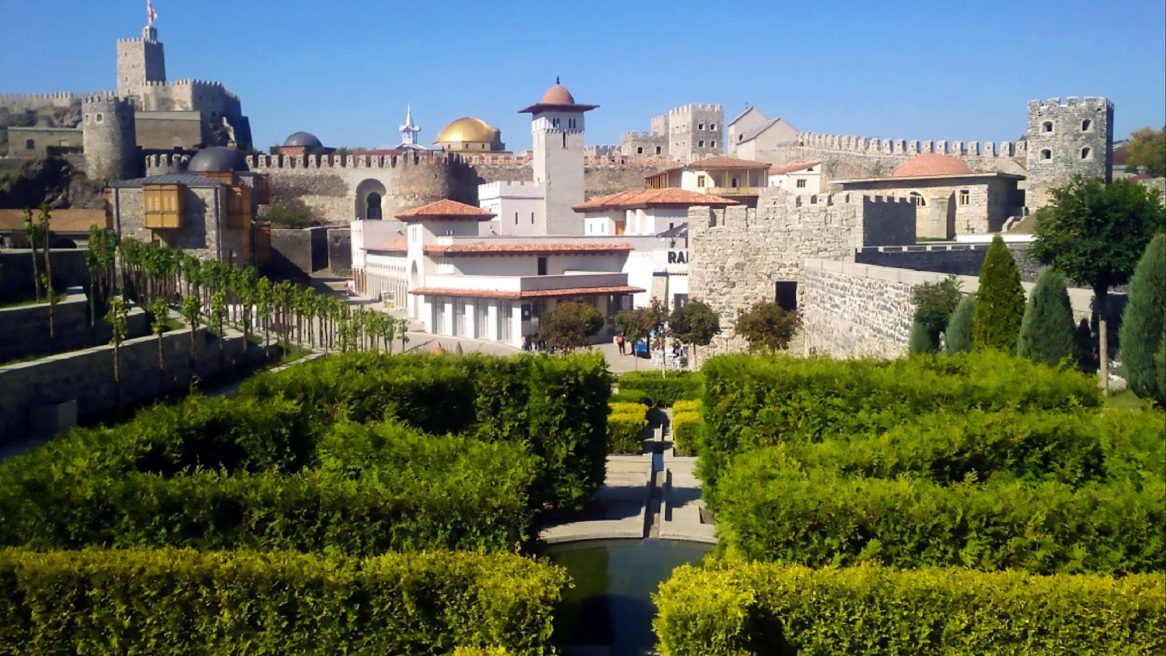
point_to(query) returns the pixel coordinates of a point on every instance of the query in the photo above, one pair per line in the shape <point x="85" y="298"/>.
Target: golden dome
<point x="467" y="129"/>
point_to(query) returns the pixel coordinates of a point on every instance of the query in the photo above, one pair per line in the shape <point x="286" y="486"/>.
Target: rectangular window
<point x="965" y="197"/>
<point x="801" y="184"/>
<point x="700" y="181"/>
<point x="516" y="218"/>
<point x="532" y="218"/>
<point x="542" y="266"/>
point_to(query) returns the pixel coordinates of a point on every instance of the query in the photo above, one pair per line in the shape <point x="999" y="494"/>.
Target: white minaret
<point x="557" y="131"/>
<point x="409" y="132"/>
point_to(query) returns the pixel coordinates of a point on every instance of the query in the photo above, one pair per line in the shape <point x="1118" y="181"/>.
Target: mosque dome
<point x="217" y="159"/>
<point x="557" y="95"/>
<point x="931" y="164"/>
<point x="305" y="139"/>
<point x="467" y="129"/>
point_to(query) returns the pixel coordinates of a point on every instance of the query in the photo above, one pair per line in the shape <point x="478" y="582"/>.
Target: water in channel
<point x="611" y="605"/>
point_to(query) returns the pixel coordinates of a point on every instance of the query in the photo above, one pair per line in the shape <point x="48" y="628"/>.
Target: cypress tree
<point x="1160" y="361"/>
<point x="920" y="340"/>
<point x="1145" y="314"/>
<point x="999" y="301"/>
<point x="1047" y="333"/>
<point x="959" y="328"/>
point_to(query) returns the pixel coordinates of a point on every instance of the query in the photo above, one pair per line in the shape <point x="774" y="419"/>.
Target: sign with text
<point x="677" y="257"/>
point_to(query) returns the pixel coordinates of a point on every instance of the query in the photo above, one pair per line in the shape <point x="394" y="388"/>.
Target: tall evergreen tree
<point x="920" y="340"/>
<point x="958" y="334"/>
<point x="1144" y="317"/>
<point x="999" y="301"/>
<point x="1047" y="333"/>
<point x="1160" y="365"/>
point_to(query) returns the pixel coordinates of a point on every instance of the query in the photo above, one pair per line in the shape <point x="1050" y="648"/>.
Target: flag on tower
<point x="151" y="15"/>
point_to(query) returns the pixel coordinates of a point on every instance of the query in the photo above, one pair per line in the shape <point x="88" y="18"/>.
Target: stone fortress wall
<point x="738" y="254"/>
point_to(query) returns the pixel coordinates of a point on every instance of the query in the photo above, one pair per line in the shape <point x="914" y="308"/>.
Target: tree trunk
<point x="35" y="273"/>
<point x="116" y="375"/>
<point x="49" y="282"/>
<point x="1101" y="296"/>
<point x="193" y="355"/>
<point x="161" y="367"/>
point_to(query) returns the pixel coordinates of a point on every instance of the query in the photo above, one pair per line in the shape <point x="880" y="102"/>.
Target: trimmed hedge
<point x="625" y="428"/>
<point x="686" y="429"/>
<point x="687" y="405"/>
<point x="753" y="402"/>
<point x="377" y="487"/>
<point x="186" y="602"/>
<point x="629" y="396"/>
<point x="770" y="510"/>
<point x="734" y="609"/>
<point x="663" y="390"/>
<point x="556" y="406"/>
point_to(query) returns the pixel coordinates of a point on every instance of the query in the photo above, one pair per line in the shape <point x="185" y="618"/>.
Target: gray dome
<point x="305" y="139"/>
<point x="217" y="159"/>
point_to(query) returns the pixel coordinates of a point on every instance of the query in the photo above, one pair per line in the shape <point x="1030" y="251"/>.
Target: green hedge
<point x="629" y="396"/>
<point x="663" y="390"/>
<point x="753" y="401"/>
<point x="686" y="429"/>
<point x="625" y="428"/>
<point x="556" y="406"/>
<point x="686" y="405"/>
<point x="771" y="510"/>
<point x="186" y="602"/>
<point x="1073" y="448"/>
<point x="376" y="487"/>
<point x="738" y="609"/>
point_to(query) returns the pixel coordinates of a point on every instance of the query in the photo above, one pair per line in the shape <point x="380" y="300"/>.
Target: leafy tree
<point x="1047" y="333"/>
<point x="1095" y="234"/>
<point x="191" y="309"/>
<point x="767" y="327"/>
<point x="403" y="332"/>
<point x="999" y="300"/>
<point x="161" y="313"/>
<point x="1146" y="151"/>
<point x="921" y="340"/>
<point x="934" y="303"/>
<point x="47" y="235"/>
<point x="570" y="325"/>
<point x="116" y="317"/>
<point x="695" y="323"/>
<point x="1144" y="319"/>
<point x="32" y="232"/>
<point x="958" y="334"/>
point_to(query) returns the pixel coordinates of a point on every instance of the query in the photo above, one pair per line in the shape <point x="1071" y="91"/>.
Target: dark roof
<point x="675" y="232"/>
<point x="305" y="139"/>
<point x="217" y="159"/>
<point x="188" y="179"/>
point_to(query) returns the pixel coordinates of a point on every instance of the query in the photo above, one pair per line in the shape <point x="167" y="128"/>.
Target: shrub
<point x="686" y="427"/>
<point x="630" y="396"/>
<point x="733" y="608"/>
<point x="958" y="336"/>
<point x="625" y="428"/>
<point x="663" y="390"/>
<point x="378" y="487"/>
<point x="767" y="326"/>
<point x="1144" y="320"/>
<point x="934" y="302"/>
<point x="686" y="405"/>
<point x="770" y="510"/>
<point x="570" y="324"/>
<point x="752" y="402"/>
<point x="1047" y="332"/>
<point x="999" y="300"/>
<point x="920" y="341"/>
<point x="132" y="601"/>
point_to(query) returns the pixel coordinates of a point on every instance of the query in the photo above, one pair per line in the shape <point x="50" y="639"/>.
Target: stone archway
<point x="370" y="196"/>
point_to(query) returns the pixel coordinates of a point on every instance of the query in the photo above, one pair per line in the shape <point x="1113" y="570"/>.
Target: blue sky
<point x="344" y="70"/>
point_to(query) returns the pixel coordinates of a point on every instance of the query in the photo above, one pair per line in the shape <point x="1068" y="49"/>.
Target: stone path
<point x="654" y="495"/>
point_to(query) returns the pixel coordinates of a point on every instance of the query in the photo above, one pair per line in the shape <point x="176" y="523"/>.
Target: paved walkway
<point x="651" y="495"/>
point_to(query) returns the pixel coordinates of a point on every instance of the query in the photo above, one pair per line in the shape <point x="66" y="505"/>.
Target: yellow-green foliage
<point x="686" y="427"/>
<point x="735" y="609"/>
<point x="686" y="405"/>
<point x="625" y="428"/>
<point x="482" y="651"/>
<point x="107" y="602"/>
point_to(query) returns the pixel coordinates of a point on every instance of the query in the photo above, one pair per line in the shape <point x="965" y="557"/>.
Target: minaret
<point x="557" y="139"/>
<point x="409" y="132"/>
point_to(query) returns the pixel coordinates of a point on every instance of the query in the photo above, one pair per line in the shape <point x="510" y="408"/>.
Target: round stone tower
<point x="109" y="138"/>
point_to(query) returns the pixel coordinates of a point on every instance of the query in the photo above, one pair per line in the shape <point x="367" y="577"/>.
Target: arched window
<point x="1086" y="153"/>
<point x="639" y="150"/>
<point x="373" y="207"/>
<point x="1046" y="154"/>
<point x="99" y="117"/>
<point x="918" y="200"/>
<point x="1086" y="125"/>
<point x="1047" y="126"/>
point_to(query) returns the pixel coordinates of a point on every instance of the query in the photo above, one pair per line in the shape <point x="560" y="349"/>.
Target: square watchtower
<point x="1066" y="139"/>
<point x="140" y="62"/>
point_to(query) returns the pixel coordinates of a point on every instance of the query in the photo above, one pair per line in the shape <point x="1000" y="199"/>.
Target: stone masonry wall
<point x="26" y="328"/>
<point x="87" y="375"/>
<point x="958" y="259"/>
<point x="68" y="270"/>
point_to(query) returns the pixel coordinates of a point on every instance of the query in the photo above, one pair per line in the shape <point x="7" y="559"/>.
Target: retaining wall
<point x="69" y="270"/>
<point x="25" y="329"/>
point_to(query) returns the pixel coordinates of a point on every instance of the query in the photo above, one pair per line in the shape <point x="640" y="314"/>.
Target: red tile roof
<point x="929" y="164"/>
<point x="641" y="198"/>
<point x="70" y="220"/>
<point x="796" y="166"/>
<point x="725" y="162"/>
<point x="392" y="246"/>
<point x="446" y="209"/>
<point x="526" y="249"/>
<point x="544" y="293"/>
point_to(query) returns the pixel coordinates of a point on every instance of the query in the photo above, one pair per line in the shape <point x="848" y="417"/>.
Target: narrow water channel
<point x="611" y="602"/>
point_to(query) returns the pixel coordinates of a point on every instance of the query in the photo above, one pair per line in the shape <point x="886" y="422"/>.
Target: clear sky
<point x="344" y="70"/>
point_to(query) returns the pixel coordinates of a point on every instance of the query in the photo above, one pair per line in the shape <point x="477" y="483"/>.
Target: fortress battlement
<point x="6" y="98"/>
<point x="1087" y="103"/>
<point x="166" y="160"/>
<point x="696" y="107"/>
<point x="775" y="197"/>
<point x="875" y="146"/>
<point x="333" y="162"/>
<point x="109" y="97"/>
<point x="634" y="135"/>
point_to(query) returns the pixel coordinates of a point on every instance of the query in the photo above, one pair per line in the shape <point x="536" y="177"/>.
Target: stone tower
<point x="557" y="131"/>
<point x="1065" y="139"/>
<point x="696" y="132"/>
<point x="109" y="138"/>
<point x="140" y="62"/>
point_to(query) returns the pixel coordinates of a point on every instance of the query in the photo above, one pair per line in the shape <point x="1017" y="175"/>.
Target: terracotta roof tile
<point x="640" y="198"/>
<point x="725" y="162"/>
<point x="546" y="293"/>
<point x="796" y="166"/>
<point x="526" y="249"/>
<point x="446" y="209"/>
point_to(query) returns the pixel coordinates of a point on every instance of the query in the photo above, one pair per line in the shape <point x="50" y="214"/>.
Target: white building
<point x="798" y="177"/>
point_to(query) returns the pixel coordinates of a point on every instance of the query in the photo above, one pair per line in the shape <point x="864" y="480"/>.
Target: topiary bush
<point x="1145" y="320"/>
<point x="663" y="390"/>
<point x="625" y="428"/>
<point x="1047" y="332"/>
<point x="686" y="429"/>
<point x="999" y="300"/>
<point x="920" y="340"/>
<point x="958" y="336"/>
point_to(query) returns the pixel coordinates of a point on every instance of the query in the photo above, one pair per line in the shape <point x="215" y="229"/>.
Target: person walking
<point x="619" y="341"/>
